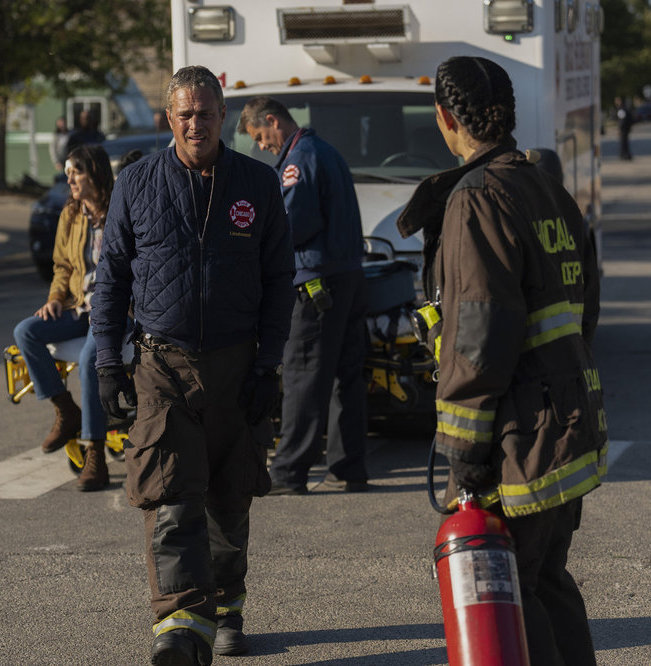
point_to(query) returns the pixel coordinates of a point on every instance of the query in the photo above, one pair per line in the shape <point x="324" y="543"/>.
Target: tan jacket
<point x="520" y="297"/>
<point x="68" y="257"/>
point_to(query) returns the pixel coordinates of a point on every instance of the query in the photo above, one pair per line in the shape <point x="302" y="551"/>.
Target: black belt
<point x="149" y="341"/>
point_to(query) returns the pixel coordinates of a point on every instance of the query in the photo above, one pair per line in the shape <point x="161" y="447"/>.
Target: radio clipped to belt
<point x="427" y="323"/>
<point x="319" y="294"/>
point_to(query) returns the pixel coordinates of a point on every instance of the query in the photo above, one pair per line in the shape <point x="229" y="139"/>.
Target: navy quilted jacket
<point x="200" y="283"/>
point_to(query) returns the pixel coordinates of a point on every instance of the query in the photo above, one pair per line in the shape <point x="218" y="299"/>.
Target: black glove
<point x="113" y="380"/>
<point x="260" y="394"/>
<point x="473" y="476"/>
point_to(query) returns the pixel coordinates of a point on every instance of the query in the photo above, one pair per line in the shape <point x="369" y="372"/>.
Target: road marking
<point x="33" y="473"/>
<point x="615" y="449"/>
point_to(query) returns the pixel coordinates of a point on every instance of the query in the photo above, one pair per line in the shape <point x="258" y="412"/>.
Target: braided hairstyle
<point x="479" y="94"/>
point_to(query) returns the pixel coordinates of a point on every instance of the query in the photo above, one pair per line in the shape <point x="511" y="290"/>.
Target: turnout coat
<point x="506" y="250"/>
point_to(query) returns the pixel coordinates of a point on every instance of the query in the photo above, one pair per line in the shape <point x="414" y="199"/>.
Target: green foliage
<point x="625" y="49"/>
<point x="73" y="44"/>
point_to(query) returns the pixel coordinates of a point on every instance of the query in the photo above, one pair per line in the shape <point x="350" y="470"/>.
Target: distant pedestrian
<point x="161" y="123"/>
<point x="129" y="158"/>
<point x="59" y="143"/>
<point x="624" y="124"/>
<point x="87" y="132"/>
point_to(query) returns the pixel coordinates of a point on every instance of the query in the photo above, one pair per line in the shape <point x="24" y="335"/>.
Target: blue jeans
<point x="32" y="335"/>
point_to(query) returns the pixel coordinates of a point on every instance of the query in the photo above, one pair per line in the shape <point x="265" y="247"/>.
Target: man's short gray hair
<point x="192" y="77"/>
<point x="256" y="110"/>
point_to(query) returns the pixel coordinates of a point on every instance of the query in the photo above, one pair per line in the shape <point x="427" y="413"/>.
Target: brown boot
<point x="67" y="423"/>
<point x="95" y="474"/>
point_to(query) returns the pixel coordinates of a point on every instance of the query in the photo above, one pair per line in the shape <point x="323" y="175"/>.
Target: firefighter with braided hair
<point x="519" y="402"/>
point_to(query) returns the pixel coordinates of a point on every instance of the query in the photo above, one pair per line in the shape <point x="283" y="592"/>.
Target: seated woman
<point x="65" y="315"/>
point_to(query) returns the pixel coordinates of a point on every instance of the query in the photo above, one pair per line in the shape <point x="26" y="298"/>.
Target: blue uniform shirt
<point x="321" y="205"/>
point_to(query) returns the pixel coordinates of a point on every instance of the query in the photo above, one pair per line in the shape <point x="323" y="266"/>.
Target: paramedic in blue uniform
<point x="198" y="237"/>
<point x="323" y="383"/>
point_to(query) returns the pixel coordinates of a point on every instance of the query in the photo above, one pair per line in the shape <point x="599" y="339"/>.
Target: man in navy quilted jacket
<point x="198" y="240"/>
<point x="323" y="383"/>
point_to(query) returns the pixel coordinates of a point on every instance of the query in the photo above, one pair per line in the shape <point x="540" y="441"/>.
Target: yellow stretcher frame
<point x="385" y="372"/>
<point x="19" y="384"/>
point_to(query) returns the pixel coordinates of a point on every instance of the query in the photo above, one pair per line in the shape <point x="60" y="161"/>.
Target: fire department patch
<point x="291" y="174"/>
<point x="242" y="214"/>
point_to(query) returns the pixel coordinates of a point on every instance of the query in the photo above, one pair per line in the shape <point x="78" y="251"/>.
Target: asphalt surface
<point x="334" y="578"/>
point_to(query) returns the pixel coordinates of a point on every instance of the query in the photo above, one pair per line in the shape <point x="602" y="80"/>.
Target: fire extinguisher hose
<point x="485" y="498"/>
<point x="430" y="482"/>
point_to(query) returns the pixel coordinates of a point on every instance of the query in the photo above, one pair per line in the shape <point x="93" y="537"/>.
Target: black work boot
<point x="180" y="647"/>
<point x="67" y="423"/>
<point x="94" y="475"/>
<point x="229" y="639"/>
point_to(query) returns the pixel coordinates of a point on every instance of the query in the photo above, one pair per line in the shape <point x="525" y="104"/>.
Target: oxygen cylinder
<point x="480" y="592"/>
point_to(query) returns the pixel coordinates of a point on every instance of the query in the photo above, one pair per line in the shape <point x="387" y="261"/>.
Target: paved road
<point x="334" y="578"/>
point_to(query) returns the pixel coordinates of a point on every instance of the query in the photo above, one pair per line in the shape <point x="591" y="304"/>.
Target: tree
<point x="73" y="44"/>
<point x="625" y="49"/>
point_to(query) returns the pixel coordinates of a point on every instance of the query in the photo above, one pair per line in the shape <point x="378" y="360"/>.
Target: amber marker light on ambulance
<point x="424" y="81"/>
<point x="294" y="81"/>
<point x="365" y="78"/>
<point x="239" y="84"/>
<point x="329" y="80"/>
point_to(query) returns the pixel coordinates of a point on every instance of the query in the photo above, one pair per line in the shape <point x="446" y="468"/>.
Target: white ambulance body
<point x="355" y="72"/>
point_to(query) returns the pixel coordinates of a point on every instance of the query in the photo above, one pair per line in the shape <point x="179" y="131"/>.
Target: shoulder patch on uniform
<point x="291" y="174"/>
<point x="472" y="180"/>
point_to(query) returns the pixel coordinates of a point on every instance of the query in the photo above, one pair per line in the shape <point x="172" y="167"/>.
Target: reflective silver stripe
<point x="551" y="323"/>
<point x="555" y="488"/>
<point x="234" y="606"/>
<point x="206" y="630"/>
<point x="465" y="422"/>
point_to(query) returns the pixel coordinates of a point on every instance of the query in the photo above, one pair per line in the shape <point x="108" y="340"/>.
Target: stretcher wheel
<point x="115" y="443"/>
<point x="76" y="453"/>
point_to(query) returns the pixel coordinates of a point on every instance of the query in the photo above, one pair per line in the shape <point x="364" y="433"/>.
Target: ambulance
<point x="360" y="72"/>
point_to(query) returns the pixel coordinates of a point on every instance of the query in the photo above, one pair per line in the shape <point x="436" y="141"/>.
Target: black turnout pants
<point x="554" y="613"/>
<point x="323" y="385"/>
<point x="193" y="467"/>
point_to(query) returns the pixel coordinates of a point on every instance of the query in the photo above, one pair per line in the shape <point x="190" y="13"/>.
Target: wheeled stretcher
<point x="66" y="357"/>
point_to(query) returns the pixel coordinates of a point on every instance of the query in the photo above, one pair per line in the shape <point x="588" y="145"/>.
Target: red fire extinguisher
<point x="480" y="591"/>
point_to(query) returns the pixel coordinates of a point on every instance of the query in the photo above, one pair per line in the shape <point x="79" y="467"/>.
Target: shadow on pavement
<point x="620" y="632"/>
<point x="411" y="657"/>
<point x="278" y="643"/>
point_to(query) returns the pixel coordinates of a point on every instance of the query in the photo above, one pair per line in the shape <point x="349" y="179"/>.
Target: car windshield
<point x="384" y="136"/>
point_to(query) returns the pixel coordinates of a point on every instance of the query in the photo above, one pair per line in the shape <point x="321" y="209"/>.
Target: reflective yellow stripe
<point x="234" y="606"/>
<point x="474" y="425"/>
<point x="602" y="462"/>
<point x="557" y="487"/>
<point x="485" y="500"/>
<point x="553" y="322"/>
<point x="182" y="619"/>
<point x="463" y="433"/>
